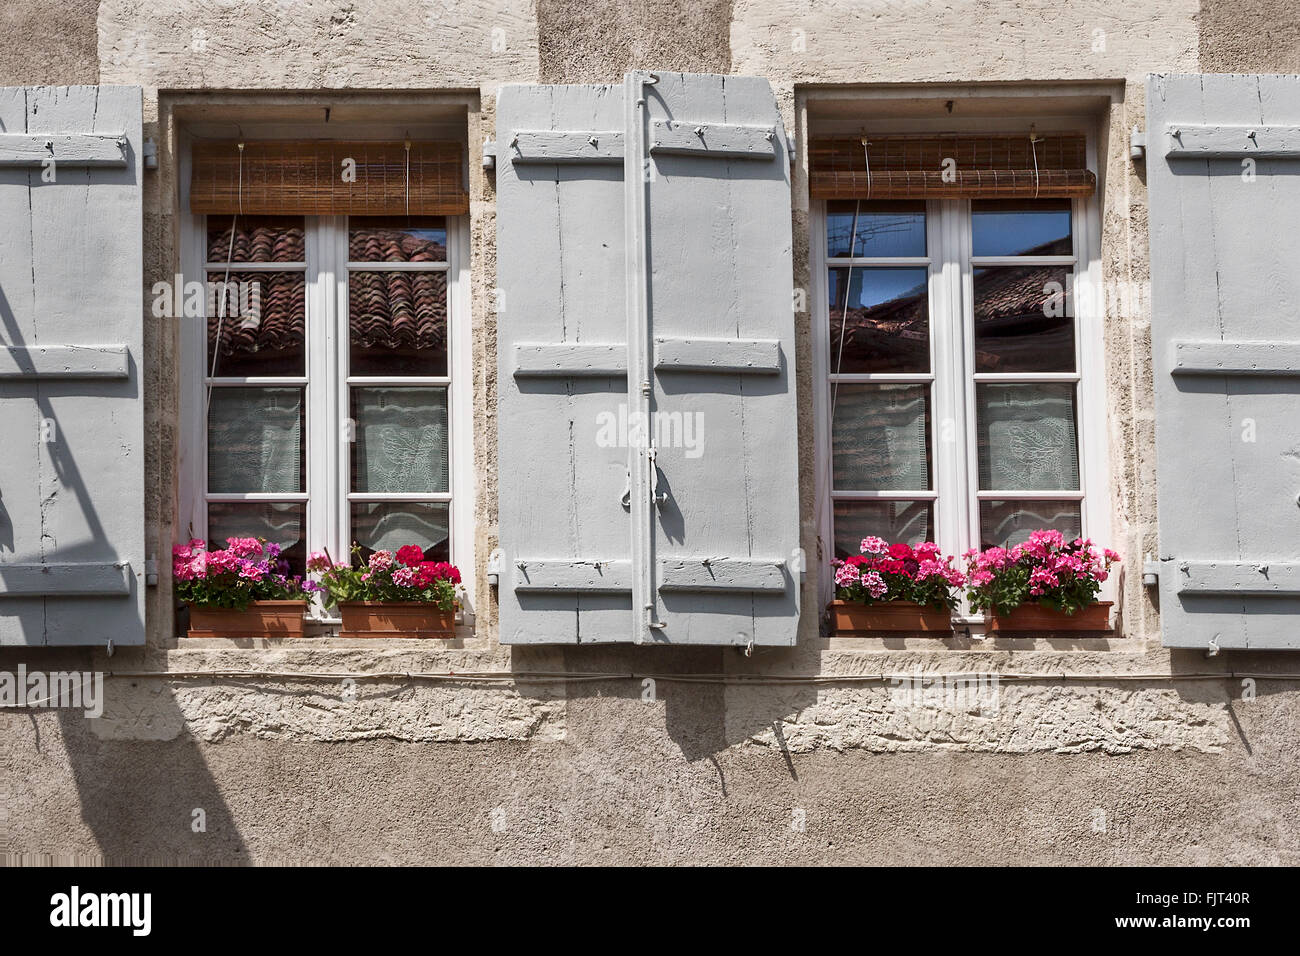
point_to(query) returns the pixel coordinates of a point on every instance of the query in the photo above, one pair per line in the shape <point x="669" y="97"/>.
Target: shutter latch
<point x="657" y="496"/>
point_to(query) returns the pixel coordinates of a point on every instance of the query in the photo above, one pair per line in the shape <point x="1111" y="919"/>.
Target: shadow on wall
<point x="148" y="801"/>
<point x="679" y="692"/>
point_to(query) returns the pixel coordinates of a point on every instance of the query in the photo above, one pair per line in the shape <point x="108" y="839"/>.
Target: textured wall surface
<point x="1249" y="36"/>
<point x="1139" y="760"/>
<point x="48" y="42"/>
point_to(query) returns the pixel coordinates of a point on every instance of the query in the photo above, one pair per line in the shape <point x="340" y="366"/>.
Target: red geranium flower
<point x="900" y="551"/>
<point x="411" y="555"/>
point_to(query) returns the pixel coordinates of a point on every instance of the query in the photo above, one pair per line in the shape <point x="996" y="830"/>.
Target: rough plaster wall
<point x="895" y="41"/>
<point x="1250" y="36"/>
<point x="636" y="782"/>
<point x="597" y="41"/>
<point x="48" y="42"/>
<point x="308" y="44"/>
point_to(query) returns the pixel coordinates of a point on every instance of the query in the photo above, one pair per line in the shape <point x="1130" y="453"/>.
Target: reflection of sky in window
<point x="879" y="233"/>
<point x="1007" y="232"/>
<point x="437" y="236"/>
<point x="870" y="287"/>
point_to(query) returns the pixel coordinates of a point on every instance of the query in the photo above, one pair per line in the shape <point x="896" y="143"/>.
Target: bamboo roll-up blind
<point x="314" y="178"/>
<point x="906" y="166"/>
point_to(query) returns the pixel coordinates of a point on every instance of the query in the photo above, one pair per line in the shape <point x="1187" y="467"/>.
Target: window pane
<point x="255" y="441"/>
<point x="398" y="323"/>
<point x="257" y="239"/>
<point x="389" y="525"/>
<point x="1026" y="436"/>
<point x="1021" y="227"/>
<point x="888" y="325"/>
<point x="397" y="239"/>
<point x="261" y="325"/>
<point x="883" y="228"/>
<point x="278" y="523"/>
<point x="1004" y="523"/>
<point x="909" y="521"/>
<point x="881" y="437"/>
<point x="401" y="440"/>
<point x="1024" y="319"/>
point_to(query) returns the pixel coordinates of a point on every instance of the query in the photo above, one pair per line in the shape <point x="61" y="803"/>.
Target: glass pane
<point x="257" y="239"/>
<point x="397" y="239"/>
<point x="888" y="326"/>
<point x="260" y="317"/>
<point x="278" y="523"/>
<point x="1027" y="437"/>
<point x="1004" y="523"/>
<point x="398" y="323"/>
<point x="255" y="441"/>
<point x="1034" y="227"/>
<point x="880" y="437"/>
<point x="908" y="521"/>
<point x="389" y="525"/>
<point x="883" y="228"/>
<point x="401" y="440"/>
<point x="1024" y="319"/>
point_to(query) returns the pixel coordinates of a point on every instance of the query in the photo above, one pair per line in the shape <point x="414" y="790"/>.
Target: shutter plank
<point x="64" y="580"/>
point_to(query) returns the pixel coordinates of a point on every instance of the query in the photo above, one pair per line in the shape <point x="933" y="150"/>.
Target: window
<point x="961" y="387"/>
<point x="333" y="372"/>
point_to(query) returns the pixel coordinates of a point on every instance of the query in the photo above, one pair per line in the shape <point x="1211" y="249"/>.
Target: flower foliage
<point x="1047" y="570"/>
<point x="898" y="572"/>
<point x="246" y="570"/>
<point x="385" y="576"/>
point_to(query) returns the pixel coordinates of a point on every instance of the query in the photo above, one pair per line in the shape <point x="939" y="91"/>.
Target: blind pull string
<point x="866" y="159"/>
<point x="408" y="178"/>
<point x="844" y="313"/>
<point x="225" y="282"/>
<point x="1033" y="146"/>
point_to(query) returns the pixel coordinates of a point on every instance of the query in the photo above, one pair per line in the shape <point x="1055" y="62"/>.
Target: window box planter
<point x="396" y="619"/>
<point x="260" y="619"/>
<point x="1034" y="617"/>
<point x="851" y="618"/>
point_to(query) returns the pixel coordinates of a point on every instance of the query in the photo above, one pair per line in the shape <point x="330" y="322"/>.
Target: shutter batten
<point x="308" y="179"/>
<point x="895" y="166"/>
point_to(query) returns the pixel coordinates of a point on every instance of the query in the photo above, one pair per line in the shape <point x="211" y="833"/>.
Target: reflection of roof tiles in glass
<point x="1006" y="295"/>
<point x="387" y="310"/>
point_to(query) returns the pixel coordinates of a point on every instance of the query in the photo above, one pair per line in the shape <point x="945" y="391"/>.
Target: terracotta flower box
<point x="261" y="619"/>
<point x="1033" y="617"/>
<point x="851" y="618"/>
<point x="395" y="619"/>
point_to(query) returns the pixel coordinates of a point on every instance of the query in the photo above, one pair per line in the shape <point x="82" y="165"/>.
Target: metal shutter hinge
<point x="1150" y="572"/>
<point x="494" y="568"/>
<point x="489" y="154"/>
<point x="151" y="572"/>
<point x="1137" y="145"/>
<point x="150" y="154"/>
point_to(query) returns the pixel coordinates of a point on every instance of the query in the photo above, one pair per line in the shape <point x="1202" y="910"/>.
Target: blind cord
<point x="225" y="282"/>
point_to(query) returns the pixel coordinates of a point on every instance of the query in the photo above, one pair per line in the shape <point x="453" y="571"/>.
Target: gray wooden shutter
<point x="1223" y="171"/>
<point x="645" y="282"/>
<point x="71" y="406"/>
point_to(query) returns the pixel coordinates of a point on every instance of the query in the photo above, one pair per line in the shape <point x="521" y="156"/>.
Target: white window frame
<point x="951" y="266"/>
<point x="328" y="480"/>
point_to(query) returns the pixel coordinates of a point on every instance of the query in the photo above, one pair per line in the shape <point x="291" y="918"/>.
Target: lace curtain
<point x="255" y="440"/>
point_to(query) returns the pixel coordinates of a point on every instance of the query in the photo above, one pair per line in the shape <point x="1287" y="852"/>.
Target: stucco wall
<point x="576" y="769"/>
